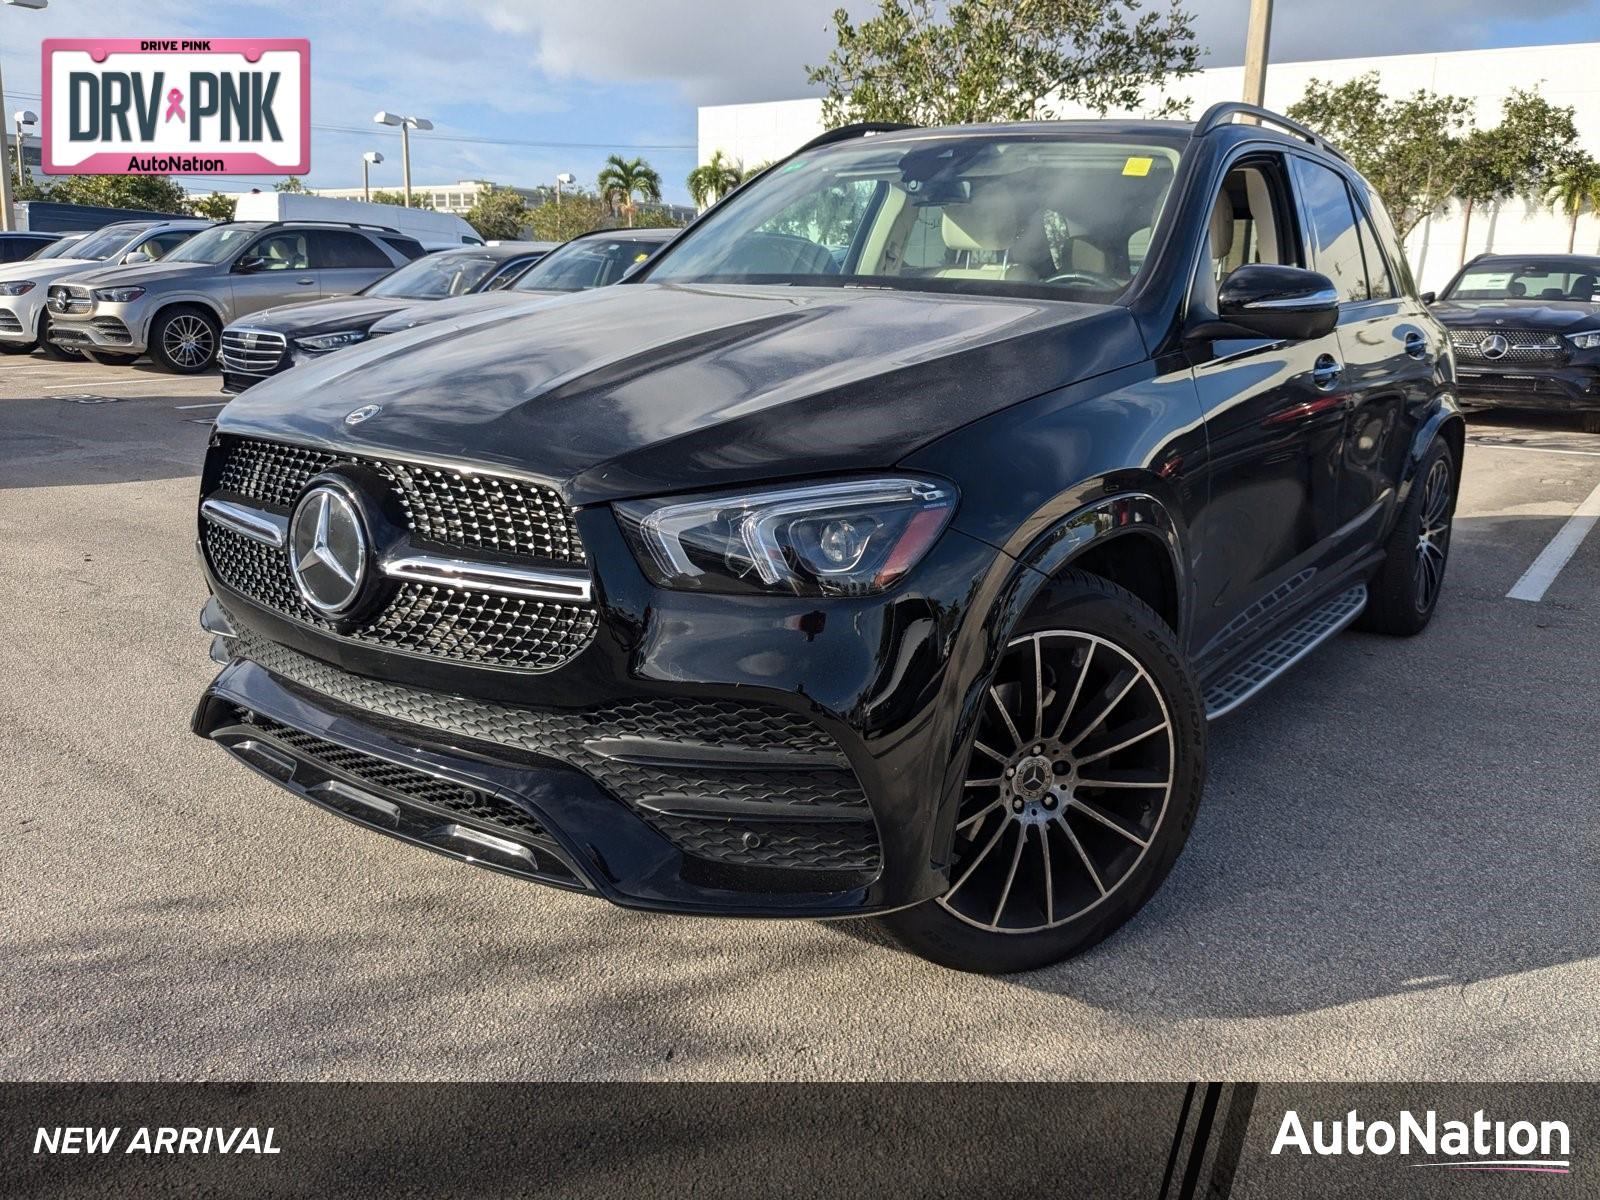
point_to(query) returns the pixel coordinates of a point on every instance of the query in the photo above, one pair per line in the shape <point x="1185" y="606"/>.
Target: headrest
<point x="1221" y="226"/>
<point x="991" y="220"/>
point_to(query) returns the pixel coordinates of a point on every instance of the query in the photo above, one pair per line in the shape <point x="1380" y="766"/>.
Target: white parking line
<point x="1530" y="449"/>
<point x="1536" y="580"/>
<point x="210" y="404"/>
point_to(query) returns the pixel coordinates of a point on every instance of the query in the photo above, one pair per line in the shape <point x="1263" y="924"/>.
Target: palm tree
<point x="1575" y="185"/>
<point x="713" y="180"/>
<point x="623" y="179"/>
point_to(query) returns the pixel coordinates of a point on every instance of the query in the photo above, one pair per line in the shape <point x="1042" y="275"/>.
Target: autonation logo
<point x="1479" y="1144"/>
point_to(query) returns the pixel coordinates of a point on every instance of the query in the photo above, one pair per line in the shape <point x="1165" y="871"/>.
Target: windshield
<point x="1040" y="216"/>
<point x="586" y="263"/>
<point x="1525" y="281"/>
<point x="102" y="244"/>
<point x="66" y="247"/>
<point x="435" y="276"/>
<point x="214" y="245"/>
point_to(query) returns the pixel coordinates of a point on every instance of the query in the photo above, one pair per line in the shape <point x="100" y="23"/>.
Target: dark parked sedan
<point x="275" y="339"/>
<point x="589" y="260"/>
<point x="1526" y="333"/>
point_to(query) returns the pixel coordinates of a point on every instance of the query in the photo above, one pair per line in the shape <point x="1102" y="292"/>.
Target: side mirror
<point x="1429" y="297"/>
<point x="248" y="266"/>
<point x="133" y="257"/>
<point x="1289" y="303"/>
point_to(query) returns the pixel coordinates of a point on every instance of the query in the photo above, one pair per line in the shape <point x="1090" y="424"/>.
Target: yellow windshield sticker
<point x="1137" y="166"/>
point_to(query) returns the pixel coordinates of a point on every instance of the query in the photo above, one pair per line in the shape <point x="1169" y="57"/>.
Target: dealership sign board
<point x="208" y="106"/>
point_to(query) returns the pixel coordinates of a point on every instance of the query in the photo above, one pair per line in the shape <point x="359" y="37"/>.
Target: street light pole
<point x="368" y="159"/>
<point x="407" y="124"/>
<point x="23" y="118"/>
<point x="5" y="151"/>
<point x="1257" y="34"/>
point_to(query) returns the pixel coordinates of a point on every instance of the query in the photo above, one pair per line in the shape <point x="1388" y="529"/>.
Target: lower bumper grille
<point x="112" y="329"/>
<point x="420" y="807"/>
<point x="732" y="784"/>
<point x="9" y="322"/>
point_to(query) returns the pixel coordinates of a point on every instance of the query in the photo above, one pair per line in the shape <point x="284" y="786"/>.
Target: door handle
<point x="1325" y="374"/>
<point x="1416" y="344"/>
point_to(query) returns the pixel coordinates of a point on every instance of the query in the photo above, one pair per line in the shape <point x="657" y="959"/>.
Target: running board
<point x="1288" y="648"/>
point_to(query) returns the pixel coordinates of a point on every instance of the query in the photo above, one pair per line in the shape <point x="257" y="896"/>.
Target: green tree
<point x="1405" y="147"/>
<point x="156" y="193"/>
<point x="498" y="214"/>
<point x="292" y="184"/>
<point x="216" y="206"/>
<point x="1517" y="157"/>
<point x="624" y="180"/>
<point x="928" y="62"/>
<point x="578" y="212"/>
<point x="398" y="199"/>
<point x="714" y="179"/>
<point x="1574" y="186"/>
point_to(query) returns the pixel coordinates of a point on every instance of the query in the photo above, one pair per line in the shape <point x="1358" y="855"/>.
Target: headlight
<point x="1585" y="341"/>
<point x="848" y="538"/>
<point x="19" y="288"/>
<point x="117" y="295"/>
<point x="322" y="342"/>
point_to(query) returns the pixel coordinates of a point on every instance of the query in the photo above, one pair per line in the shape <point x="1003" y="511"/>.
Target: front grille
<point x="1511" y="385"/>
<point x="443" y="797"/>
<point x="1524" y="345"/>
<point x="252" y="351"/>
<point x="9" y="322"/>
<point x="69" y="299"/>
<point x="813" y="817"/>
<point x="442" y="622"/>
<point x="466" y="509"/>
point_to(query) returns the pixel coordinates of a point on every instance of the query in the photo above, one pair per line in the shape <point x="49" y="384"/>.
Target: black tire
<point x="1119" y="638"/>
<point x="49" y="348"/>
<point x="184" y="340"/>
<point x="17" y="347"/>
<point x="1591" y="421"/>
<point x="110" y="360"/>
<point x="1404" y="591"/>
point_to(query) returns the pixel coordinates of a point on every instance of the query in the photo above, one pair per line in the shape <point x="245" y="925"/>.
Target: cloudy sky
<point x="523" y="89"/>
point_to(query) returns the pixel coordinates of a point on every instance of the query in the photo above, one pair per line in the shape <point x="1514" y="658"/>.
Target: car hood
<point x="455" y="307"/>
<point x="327" y="316"/>
<point x="1558" y="316"/>
<point x="654" y="388"/>
<point x="47" y="271"/>
<point x="145" y="274"/>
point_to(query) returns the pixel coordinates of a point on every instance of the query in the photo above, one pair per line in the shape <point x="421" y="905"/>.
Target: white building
<point x="1564" y="75"/>
<point x="455" y="197"/>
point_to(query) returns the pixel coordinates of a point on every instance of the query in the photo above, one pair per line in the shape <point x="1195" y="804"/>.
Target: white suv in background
<point x="24" y="321"/>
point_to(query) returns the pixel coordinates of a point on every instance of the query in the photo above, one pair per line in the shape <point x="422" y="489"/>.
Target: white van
<point x="435" y="230"/>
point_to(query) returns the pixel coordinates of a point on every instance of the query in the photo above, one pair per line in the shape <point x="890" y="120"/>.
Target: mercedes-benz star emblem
<point x="366" y="412"/>
<point x="327" y="550"/>
<point x="1494" y="346"/>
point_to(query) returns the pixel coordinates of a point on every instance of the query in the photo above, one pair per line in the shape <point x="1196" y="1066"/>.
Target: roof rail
<point x="1224" y="112"/>
<point x="331" y="224"/>
<point x="860" y="129"/>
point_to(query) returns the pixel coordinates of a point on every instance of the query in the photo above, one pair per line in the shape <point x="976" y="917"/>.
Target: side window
<point x="408" y="248"/>
<point x="1378" y="285"/>
<point x="282" y="252"/>
<point x="164" y="244"/>
<point x="1390" y="243"/>
<point x="333" y="249"/>
<point x="1335" y="234"/>
<point x="1250" y="221"/>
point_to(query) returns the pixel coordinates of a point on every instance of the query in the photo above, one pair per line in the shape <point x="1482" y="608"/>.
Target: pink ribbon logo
<point x="175" y="105"/>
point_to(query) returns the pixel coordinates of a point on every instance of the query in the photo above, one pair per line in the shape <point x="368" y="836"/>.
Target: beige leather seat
<point x="1221" y="234"/>
<point x="989" y="222"/>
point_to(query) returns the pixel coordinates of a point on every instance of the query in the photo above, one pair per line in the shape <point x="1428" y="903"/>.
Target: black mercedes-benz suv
<point x="1526" y="332"/>
<point x="882" y="547"/>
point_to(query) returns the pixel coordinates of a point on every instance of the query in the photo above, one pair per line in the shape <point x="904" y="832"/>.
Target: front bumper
<point x="1563" y="388"/>
<point x="19" y="318"/>
<point x="704" y="754"/>
<point x="121" y="328"/>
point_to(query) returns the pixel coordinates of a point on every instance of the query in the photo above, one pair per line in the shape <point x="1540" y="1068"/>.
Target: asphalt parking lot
<point x="1394" y="874"/>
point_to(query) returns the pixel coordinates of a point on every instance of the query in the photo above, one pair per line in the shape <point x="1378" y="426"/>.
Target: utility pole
<point x="1257" y="34"/>
<point x="5" y="162"/>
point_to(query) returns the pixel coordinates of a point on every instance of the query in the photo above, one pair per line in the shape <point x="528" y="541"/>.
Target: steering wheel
<point x="1091" y="279"/>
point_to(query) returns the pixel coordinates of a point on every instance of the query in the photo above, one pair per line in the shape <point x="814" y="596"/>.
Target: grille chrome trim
<point x="264" y="527"/>
<point x="489" y="577"/>
<point x="247" y="351"/>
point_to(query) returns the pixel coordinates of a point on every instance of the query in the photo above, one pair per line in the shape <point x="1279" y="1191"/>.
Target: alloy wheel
<point x="1433" y="536"/>
<point x="1067" y="785"/>
<point x="188" y="341"/>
